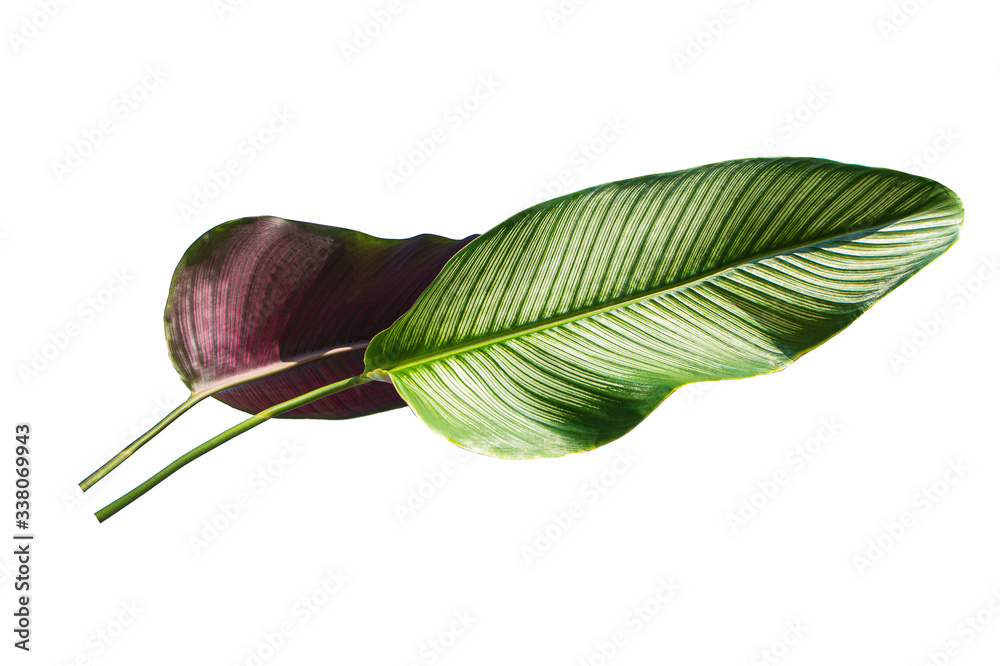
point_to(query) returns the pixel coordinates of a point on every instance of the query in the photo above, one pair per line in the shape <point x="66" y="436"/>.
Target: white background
<point x="864" y="90"/>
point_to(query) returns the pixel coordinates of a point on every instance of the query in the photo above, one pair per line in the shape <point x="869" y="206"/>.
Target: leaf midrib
<point x="566" y="318"/>
<point x="276" y="368"/>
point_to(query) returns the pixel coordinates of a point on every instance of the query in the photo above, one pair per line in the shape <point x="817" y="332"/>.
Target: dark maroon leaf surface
<point x="264" y="309"/>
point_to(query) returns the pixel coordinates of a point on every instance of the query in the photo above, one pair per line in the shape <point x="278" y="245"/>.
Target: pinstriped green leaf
<point x="563" y="327"/>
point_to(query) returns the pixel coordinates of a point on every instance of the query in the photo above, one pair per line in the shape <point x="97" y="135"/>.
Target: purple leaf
<point x="264" y="309"/>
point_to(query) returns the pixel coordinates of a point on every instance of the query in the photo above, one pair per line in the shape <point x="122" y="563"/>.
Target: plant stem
<point x="208" y="391"/>
<point x="224" y="437"/>
<point x="106" y="468"/>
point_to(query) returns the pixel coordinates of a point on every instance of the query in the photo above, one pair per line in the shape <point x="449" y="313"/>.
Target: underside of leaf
<point x="562" y="328"/>
<point x="264" y="309"/>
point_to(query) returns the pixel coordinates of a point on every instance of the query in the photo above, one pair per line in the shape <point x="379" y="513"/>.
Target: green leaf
<point x="563" y="327"/>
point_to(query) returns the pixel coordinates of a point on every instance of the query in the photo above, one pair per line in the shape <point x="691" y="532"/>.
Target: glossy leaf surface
<point x="563" y="327"/>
